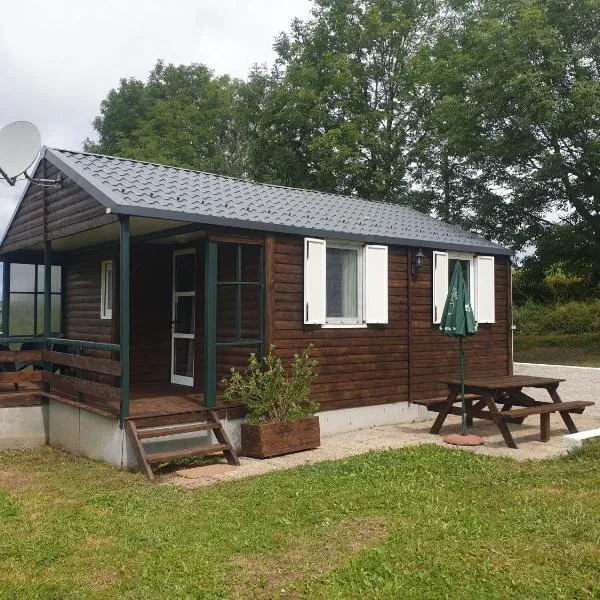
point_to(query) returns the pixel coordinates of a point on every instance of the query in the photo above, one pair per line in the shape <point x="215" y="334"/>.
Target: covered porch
<point x="150" y="335"/>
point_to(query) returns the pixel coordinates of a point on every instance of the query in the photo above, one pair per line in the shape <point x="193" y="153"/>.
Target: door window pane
<point x="185" y="272"/>
<point x="184" y="357"/>
<point x="342" y="283"/>
<point x="184" y="314"/>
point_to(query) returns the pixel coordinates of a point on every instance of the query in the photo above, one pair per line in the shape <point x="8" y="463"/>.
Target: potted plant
<point x="281" y="414"/>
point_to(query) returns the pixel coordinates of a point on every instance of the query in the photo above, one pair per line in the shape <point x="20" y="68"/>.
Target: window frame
<point x="359" y="320"/>
<point x="107" y="266"/>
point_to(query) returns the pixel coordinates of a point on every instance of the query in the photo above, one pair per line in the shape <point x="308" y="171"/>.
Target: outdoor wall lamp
<point x="418" y="260"/>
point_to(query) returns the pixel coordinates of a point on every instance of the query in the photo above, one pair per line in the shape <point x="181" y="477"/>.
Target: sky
<point x="59" y="59"/>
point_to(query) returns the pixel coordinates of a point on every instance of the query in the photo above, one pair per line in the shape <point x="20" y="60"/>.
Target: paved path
<point x="582" y="383"/>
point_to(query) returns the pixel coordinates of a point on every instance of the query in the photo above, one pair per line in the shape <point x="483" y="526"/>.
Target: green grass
<point x="419" y="523"/>
<point x="582" y="350"/>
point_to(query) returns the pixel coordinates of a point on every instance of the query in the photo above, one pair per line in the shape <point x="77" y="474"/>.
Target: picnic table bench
<point x="483" y="395"/>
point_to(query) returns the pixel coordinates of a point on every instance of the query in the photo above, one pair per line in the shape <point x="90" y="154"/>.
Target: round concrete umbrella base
<point x="456" y="439"/>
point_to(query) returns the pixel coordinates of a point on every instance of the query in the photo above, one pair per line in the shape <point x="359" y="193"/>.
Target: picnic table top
<point x="504" y="382"/>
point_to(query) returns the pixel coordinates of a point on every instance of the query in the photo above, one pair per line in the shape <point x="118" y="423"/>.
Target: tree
<point x="520" y="103"/>
<point x="343" y="115"/>
<point x="183" y="116"/>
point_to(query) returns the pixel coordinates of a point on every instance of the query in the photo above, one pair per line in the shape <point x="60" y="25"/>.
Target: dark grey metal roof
<point x="150" y="190"/>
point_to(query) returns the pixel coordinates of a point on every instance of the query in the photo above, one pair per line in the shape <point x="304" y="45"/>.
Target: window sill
<point x="344" y="326"/>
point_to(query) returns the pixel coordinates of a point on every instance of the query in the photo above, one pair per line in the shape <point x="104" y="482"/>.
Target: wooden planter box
<point x="273" y="439"/>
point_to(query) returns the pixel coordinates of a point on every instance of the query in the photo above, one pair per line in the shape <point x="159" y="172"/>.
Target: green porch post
<point x="5" y="297"/>
<point x="47" y="302"/>
<point x="124" y="316"/>
<point x="47" y="289"/>
<point x="210" y="324"/>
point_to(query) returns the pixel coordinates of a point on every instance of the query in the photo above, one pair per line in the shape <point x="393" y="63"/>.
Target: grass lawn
<point x="582" y="350"/>
<point x="422" y="522"/>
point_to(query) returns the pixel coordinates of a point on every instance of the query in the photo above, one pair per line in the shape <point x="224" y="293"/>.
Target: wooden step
<point x="198" y="451"/>
<point x="144" y="434"/>
<point x="210" y="422"/>
<point x="170" y="419"/>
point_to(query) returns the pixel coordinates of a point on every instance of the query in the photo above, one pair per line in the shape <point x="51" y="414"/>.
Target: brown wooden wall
<point x="64" y="211"/>
<point x="382" y="364"/>
<point x="81" y="297"/>
<point x="434" y="356"/>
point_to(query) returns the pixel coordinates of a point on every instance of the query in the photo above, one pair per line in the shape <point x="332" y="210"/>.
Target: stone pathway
<point x="581" y="384"/>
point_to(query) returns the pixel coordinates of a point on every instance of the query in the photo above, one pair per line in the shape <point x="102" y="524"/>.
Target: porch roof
<point x="137" y="188"/>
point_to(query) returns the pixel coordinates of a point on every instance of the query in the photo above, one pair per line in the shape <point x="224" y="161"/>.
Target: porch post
<point x="210" y="324"/>
<point x="47" y="289"/>
<point x="5" y="296"/>
<point x="124" y="316"/>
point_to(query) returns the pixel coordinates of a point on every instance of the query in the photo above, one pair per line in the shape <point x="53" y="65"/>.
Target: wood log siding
<point x="367" y="366"/>
<point x="69" y="210"/>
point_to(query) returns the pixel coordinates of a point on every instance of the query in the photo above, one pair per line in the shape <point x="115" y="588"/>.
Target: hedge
<point x="565" y="318"/>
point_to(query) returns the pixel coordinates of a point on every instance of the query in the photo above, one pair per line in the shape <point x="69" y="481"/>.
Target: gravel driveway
<point x="582" y="383"/>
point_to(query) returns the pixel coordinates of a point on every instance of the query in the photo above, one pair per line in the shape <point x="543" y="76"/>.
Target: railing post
<point x="5" y="297"/>
<point x="47" y="302"/>
<point x="124" y="316"/>
<point x="210" y="324"/>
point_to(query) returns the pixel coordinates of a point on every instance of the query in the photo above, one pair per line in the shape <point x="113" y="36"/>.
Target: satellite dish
<point x="20" y="144"/>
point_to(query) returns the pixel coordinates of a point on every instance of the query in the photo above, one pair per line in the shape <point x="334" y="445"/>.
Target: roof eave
<point x="157" y="213"/>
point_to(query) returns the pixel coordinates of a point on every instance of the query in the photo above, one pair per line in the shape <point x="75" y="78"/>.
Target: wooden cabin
<point x="149" y="283"/>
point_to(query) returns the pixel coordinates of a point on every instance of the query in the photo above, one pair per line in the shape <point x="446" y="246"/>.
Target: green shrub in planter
<point x="270" y="392"/>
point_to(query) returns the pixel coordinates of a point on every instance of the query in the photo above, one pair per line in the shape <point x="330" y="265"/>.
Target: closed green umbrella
<point x="458" y="321"/>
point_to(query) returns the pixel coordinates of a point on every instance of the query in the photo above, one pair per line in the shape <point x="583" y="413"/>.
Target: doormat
<point x="206" y="471"/>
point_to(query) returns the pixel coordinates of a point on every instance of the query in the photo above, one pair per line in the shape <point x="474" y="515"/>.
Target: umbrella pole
<point x="462" y="387"/>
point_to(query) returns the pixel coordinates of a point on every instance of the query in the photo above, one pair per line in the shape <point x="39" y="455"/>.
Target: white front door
<point x="183" y="317"/>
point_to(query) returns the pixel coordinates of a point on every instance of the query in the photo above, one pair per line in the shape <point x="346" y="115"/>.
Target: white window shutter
<point x="314" y="281"/>
<point x="376" y="284"/>
<point x="485" y="292"/>
<point x="440" y="284"/>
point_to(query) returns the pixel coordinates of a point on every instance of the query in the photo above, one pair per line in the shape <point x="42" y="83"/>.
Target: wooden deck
<point x="165" y="400"/>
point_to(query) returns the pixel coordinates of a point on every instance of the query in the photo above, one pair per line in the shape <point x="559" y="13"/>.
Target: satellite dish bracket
<point x="55" y="183"/>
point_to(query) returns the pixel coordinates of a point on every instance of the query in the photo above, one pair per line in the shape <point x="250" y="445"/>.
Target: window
<point x="26" y="302"/>
<point x="106" y="291"/>
<point x="478" y="272"/>
<point x="345" y="284"/>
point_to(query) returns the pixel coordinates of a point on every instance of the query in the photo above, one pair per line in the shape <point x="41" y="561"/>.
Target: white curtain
<point x="349" y="283"/>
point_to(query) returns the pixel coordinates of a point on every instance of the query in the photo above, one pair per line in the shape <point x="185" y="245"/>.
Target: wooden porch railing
<point x="46" y="363"/>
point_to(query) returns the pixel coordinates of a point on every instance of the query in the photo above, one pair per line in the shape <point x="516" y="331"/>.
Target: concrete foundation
<point x="23" y="427"/>
<point x="334" y="422"/>
<point x="87" y="434"/>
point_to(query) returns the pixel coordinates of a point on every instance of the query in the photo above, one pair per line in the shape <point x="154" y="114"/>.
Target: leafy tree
<point x="182" y="116"/>
<point x="344" y="113"/>
<point x="520" y="104"/>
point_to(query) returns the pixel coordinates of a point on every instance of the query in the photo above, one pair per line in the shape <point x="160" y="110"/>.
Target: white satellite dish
<point x="20" y="144"/>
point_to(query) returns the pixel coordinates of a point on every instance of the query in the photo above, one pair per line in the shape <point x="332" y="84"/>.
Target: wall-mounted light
<point x="418" y="260"/>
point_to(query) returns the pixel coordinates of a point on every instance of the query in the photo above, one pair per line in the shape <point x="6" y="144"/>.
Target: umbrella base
<point x="456" y="439"/>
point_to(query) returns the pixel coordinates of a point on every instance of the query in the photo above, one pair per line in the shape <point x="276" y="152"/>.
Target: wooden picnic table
<point x="486" y="393"/>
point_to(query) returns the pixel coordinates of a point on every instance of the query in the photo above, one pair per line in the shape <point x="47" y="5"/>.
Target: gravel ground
<point x="580" y="384"/>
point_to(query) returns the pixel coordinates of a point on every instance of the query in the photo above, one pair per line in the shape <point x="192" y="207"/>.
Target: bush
<point x="566" y="318"/>
<point x="271" y="393"/>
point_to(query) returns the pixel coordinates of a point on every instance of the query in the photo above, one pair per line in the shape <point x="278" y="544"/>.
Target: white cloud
<point x="58" y="60"/>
